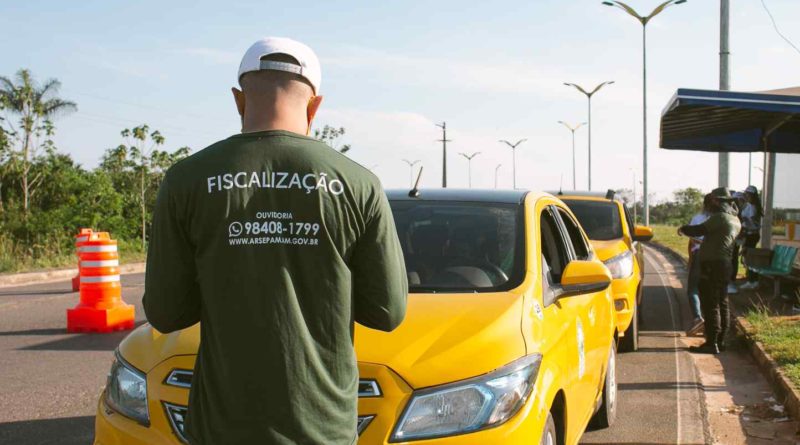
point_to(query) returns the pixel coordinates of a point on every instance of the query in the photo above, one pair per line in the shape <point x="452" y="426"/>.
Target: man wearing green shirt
<point x="277" y="244"/>
<point x="719" y="234"/>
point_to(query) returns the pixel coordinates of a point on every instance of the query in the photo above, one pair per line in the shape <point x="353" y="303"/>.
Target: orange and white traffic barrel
<point x="101" y="308"/>
<point x="80" y="238"/>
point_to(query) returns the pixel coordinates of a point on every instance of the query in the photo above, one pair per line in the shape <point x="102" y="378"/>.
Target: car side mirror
<point x="642" y="234"/>
<point x="583" y="277"/>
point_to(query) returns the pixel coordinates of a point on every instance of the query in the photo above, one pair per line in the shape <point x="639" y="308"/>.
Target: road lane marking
<point x="659" y="271"/>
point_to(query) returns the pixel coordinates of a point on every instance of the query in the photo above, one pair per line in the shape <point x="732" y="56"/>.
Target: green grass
<point x="781" y="339"/>
<point x="16" y="261"/>
<point x="668" y="236"/>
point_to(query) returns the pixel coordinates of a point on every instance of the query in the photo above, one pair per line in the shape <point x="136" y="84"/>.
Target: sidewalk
<point x="740" y="403"/>
<point x="50" y="276"/>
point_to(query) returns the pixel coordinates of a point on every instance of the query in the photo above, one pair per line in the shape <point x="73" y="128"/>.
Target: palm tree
<point x="35" y="105"/>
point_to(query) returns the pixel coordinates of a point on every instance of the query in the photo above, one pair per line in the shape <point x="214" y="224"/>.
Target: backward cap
<point x="309" y="63"/>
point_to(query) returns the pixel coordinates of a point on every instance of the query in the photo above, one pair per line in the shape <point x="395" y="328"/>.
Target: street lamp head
<point x="608" y="4"/>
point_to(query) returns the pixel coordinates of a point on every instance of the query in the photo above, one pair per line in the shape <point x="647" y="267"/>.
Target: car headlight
<point x="469" y="405"/>
<point x="126" y="391"/>
<point x="621" y="266"/>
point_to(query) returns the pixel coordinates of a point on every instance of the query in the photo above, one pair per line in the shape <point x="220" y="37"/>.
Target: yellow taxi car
<point x="615" y="237"/>
<point x="508" y="337"/>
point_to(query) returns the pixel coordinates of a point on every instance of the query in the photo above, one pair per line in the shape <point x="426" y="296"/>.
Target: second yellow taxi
<point x="508" y="337"/>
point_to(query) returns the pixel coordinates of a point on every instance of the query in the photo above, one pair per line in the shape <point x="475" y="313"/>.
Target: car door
<point x="598" y="315"/>
<point x="568" y="316"/>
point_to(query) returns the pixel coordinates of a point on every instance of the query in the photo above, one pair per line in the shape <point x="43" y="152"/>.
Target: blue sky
<point x="392" y="69"/>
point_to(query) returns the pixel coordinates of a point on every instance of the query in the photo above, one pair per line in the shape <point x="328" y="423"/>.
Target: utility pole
<point x="513" y="159"/>
<point x="724" y="79"/>
<point x="573" y="130"/>
<point x="589" y="95"/>
<point x="495" y="174"/>
<point x="644" y="20"/>
<point x="411" y="165"/>
<point x="469" y="165"/>
<point x="444" y="142"/>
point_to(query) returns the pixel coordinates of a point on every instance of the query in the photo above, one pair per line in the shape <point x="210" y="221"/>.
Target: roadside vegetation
<point x="45" y="196"/>
<point x="781" y="339"/>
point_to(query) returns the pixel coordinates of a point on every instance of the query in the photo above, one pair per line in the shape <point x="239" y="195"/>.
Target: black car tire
<point x="607" y="414"/>
<point x="550" y="434"/>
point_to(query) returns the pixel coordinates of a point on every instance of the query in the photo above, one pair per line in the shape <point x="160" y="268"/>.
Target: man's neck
<point x="276" y="115"/>
<point x="267" y="125"/>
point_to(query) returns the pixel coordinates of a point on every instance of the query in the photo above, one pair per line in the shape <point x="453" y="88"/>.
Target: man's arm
<point x="380" y="284"/>
<point x="694" y="231"/>
<point x="171" y="293"/>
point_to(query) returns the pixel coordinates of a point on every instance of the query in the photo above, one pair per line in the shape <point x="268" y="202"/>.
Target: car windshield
<point x="461" y="246"/>
<point x="600" y="219"/>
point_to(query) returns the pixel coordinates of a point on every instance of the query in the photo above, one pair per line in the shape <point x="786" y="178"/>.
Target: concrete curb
<point x="780" y="384"/>
<point x="50" y="276"/>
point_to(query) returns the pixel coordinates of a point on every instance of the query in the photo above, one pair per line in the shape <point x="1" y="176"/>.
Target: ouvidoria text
<point x="276" y="180"/>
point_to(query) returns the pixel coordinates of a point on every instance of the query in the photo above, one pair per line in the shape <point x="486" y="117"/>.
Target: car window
<point x="600" y="219"/>
<point x="629" y="219"/>
<point x="554" y="254"/>
<point x="461" y="246"/>
<point x="576" y="238"/>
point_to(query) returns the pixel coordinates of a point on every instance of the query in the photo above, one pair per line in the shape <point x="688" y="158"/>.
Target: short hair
<point x="267" y="81"/>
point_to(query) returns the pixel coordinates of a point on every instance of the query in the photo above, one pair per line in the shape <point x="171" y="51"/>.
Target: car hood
<point x="145" y="347"/>
<point x="606" y="250"/>
<point x="448" y="337"/>
<point x="444" y="338"/>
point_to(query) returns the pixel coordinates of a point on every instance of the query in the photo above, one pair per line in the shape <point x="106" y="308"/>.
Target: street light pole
<point x="644" y="20"/>
<point x="513" y="160"/>
<point x="589" y="95"/>
<point x="444" y="142"/>
<point x="573" y="130"/>
<point x="724" y="80"/>
<point x="469" y="165"/>
<point x="411" y="165"/>
<point x="495" y="174"/>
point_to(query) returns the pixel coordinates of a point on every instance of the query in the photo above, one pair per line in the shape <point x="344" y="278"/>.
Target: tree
<point x="35" y="105"/>
<point x="140" y="149"/>
<point x="330" y="136"/>
<point x="136" y="168"/>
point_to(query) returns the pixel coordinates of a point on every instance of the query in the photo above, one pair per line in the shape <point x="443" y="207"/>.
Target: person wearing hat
<point x="751" y="216"/>
<point x="719" y="233"/>
<point x="276" y="243"/>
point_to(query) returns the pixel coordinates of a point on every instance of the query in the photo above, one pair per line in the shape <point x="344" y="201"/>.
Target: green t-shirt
<point x="277" y="243"/>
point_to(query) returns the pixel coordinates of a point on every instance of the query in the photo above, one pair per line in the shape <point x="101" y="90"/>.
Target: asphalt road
<point x="50" y="380"/>
<point x="660" y="397"/>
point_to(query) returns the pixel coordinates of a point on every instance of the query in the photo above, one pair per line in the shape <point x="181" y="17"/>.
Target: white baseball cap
<point x="308" y="66"/>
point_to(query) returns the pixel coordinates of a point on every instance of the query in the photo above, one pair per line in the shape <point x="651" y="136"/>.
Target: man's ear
<point x="238" y="97"/>
<point x="313" y="106"/>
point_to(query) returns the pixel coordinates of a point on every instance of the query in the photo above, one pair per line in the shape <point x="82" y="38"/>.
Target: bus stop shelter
<point x="737" y="122"/>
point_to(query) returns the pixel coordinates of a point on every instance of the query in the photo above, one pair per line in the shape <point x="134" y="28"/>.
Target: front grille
<point x="363" y="423"/>
<point x="368" y="388"/>
<point x="177" y="417"/>
<point x="182" y="378"/>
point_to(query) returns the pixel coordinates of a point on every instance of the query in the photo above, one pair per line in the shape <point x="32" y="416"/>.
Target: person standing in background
<point x="751" y="217"/>
<point x="719" y="233"/>
<point x="693" y="288"/>
<point x="738" y="203"/>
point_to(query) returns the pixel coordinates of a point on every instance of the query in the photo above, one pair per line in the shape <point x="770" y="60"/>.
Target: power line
<point x="777" y="30"/>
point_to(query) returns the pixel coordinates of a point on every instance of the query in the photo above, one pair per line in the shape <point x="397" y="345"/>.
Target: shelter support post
<point x="768" y="197"/>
